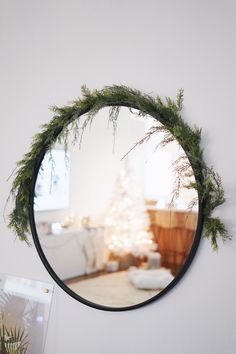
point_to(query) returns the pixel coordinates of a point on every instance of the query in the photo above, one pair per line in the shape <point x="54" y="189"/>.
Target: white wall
<point x="48" y="50"/>
<point x="95" y="167"/>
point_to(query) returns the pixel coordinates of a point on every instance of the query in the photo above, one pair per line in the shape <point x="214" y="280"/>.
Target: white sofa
<point x="72" y="252"/>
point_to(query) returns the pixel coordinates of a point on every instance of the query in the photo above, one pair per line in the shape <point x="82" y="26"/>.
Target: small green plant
<point x="13" y="340"/>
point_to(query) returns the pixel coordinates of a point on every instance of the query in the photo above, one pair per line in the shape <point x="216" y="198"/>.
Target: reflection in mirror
<point x="114" y="216"/>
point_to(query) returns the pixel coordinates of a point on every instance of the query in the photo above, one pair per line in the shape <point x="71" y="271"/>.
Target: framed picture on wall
<point x="24" y="314"/>
<point x="52" y="185"/>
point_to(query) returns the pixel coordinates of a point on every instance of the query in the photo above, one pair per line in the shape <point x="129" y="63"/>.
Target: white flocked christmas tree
<point x="127" y="223"/>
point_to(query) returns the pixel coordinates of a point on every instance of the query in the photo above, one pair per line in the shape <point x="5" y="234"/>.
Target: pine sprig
<point x="68" y="119"/>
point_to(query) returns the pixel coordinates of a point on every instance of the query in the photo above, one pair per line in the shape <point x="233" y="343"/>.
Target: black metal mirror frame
<point x="60" y="282"/>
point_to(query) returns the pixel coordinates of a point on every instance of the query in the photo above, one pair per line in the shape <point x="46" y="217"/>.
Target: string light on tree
<point x="127" y="222"/>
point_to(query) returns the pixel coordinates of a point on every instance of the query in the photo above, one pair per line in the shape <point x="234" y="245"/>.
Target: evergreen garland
<point x="207" y="182"/>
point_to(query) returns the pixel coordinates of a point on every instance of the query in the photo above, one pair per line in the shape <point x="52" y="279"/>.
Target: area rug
<point x="113" y="290"/>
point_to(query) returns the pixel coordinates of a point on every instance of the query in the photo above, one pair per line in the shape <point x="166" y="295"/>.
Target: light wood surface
<point x="174" y="232"/>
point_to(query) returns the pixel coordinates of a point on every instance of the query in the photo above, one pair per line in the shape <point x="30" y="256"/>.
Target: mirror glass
<point x="115" y="214"/>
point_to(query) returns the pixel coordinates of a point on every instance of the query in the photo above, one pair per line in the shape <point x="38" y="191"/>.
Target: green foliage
<point x="214" y="228"/>
<point x="208" y="183"/>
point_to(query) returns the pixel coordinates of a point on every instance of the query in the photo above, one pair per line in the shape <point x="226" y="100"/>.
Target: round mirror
<point x="115" y="218"/>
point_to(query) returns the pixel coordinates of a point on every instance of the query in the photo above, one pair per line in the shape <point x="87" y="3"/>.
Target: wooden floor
<point x="85" y="277"/>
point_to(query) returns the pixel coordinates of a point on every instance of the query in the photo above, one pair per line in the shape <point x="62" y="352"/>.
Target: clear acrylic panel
<point x="24" y="314"/>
